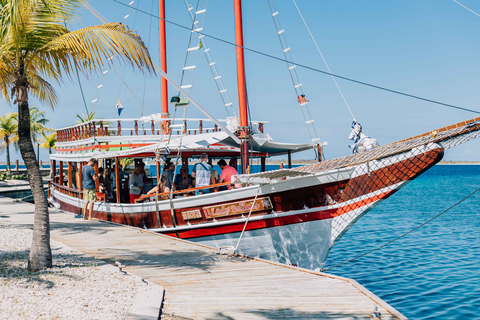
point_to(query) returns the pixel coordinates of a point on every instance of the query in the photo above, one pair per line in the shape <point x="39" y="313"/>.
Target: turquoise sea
<point x="432" y="273"/>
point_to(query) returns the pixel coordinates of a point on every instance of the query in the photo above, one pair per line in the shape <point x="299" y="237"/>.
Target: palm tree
<point x="48" y="142"/>
<point x="37" y="124"/>
<point x="125" y="162"/>
<point x="82" y="118"/>
<point x="35" y="45"/>
<point x="8" y="133"/>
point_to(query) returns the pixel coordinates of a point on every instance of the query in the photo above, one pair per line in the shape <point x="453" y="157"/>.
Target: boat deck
<point x="200" y="284"/>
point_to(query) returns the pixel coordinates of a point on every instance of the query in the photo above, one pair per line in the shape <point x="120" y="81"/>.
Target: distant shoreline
<point x="459" y="163"/>
<point x="300" y="162"/>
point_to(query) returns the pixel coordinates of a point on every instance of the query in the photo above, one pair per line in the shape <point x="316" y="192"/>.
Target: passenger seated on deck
<point x="162" y="188"/>
<point x="107" y="182"/>
<point x="135" y="183"/>
<point x="168" y="174"/>
<point x="102" y="194"/>
<point x="183" y="184"/>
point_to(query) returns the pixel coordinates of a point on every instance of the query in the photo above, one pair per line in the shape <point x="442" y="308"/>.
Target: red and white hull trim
<point x="301" y="217"/>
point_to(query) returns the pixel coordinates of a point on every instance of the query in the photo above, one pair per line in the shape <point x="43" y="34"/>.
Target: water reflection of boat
<point x="294" y="215"/>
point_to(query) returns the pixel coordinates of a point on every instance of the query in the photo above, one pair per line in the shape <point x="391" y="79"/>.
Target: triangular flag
<point x="119" y="107"/>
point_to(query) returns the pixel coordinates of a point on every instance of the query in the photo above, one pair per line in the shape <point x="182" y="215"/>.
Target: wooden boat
<point x="292" y="215"/>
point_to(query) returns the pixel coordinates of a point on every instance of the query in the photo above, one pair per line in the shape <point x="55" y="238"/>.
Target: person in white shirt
<point x="202" y="173"/>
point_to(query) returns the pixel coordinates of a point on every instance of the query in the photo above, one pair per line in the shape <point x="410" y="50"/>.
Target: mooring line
<point x="386" y="244"/>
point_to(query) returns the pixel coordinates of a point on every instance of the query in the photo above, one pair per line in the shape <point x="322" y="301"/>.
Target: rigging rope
<point x="79" y="82"/>
<point x="208" y="56"/>
<point x="467" y="8"/>
<point x="133" y="28"/>
<point x="81" y="89"/>
<point x="148" y="45"/>
<point x="310" y="68"/>
<point x="403" y="235"/>
<point x="133" y="94"/>
<point x="328" y="68"/>
<point x="229" y="250"/>
<point x="105" y="73"/>
<point x="297" y="85"/>
<point x="181" y="50"/>
<point x="186" y="67"/>
<point x="248" y="218"/>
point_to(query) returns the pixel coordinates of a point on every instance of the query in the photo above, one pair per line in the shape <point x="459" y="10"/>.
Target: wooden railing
<point x="108" y="127"/>
<point x="70" y="191"/>
<point x="144" y="197"/>
<point x="79" y="193"/>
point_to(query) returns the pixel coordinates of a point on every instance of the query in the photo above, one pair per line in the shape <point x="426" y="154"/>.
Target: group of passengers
<point x="202" y="176"/>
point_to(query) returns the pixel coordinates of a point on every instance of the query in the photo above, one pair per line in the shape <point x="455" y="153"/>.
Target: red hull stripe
<point x="277" y="222"/>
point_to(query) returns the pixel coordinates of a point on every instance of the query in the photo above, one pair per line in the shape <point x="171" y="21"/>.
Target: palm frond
<point x="85" y="118"/>
<point x="88" y="47"/>
<point x="48" y="140"/>
<point x="8" y="129"/>
<point x="43" y="90"/>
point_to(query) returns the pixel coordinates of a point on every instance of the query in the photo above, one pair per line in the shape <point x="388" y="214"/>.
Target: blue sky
<point x="425" y="48"/>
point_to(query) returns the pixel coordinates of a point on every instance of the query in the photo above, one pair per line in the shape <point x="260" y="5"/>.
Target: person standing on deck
<point x="135" y="184"/>
<point x="227" y="173"/>
<point x="168" y="174"/>
<point x="202" y="172"/>
<point x="89" y="176"/>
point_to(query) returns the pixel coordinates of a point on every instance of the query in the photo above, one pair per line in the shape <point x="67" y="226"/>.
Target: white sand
<point x="69" y="290"/>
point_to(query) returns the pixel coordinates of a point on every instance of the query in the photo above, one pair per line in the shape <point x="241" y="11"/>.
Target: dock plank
<point x="201" y="284"/>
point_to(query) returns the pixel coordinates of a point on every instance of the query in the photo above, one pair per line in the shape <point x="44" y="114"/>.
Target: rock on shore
<point x="72" y="289"/>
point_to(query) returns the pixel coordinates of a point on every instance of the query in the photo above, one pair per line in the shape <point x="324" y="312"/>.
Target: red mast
<point x="163" y="55"/>
<point x="242" y="92"/>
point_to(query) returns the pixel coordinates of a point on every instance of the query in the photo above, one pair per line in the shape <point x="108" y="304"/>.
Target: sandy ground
<point x="72" y="289"/>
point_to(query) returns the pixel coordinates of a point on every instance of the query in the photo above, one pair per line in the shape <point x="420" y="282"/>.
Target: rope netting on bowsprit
<point x="375" y="180"/>
<point x="448" y="137"/>
<point x="445" y="138"/>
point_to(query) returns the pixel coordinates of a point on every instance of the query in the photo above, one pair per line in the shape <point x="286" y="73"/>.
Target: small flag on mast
<point x="119" y="107"/>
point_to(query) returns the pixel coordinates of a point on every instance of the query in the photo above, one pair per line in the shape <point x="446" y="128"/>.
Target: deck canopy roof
<point x="216" y="144"/>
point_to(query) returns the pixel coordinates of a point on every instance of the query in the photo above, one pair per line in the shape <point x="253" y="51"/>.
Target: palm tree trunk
<point x="8" y="156"/>
<point x="40" y="252"/>
<point x="51" y="169"/>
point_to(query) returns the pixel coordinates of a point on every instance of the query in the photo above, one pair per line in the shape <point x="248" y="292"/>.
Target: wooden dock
<point x="200" y="284"/>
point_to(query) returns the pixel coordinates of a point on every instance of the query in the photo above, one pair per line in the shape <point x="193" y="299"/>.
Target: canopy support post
<point x="78" y="177"/>
<point x="70" y="185"/>
<point x="60" y="173"/>
<point x="117" y="179"/>
<point x="53" y="169"/>
<point x="97" y="182"/>
<point x="80" y="186"/>
<point x="289" y="159"/>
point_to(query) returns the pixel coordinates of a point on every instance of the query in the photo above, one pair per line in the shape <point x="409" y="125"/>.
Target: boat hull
<point x="297" y="220"/>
